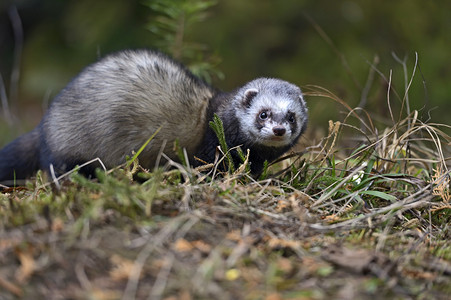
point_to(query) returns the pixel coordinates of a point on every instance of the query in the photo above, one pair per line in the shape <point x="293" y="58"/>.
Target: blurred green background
<point x="331" y="44"/>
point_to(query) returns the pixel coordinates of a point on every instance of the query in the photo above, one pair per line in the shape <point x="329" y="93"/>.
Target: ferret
<point x="114" y="105"/>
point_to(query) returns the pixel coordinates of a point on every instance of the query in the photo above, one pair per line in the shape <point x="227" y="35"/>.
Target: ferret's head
<point x="271" y="112"/>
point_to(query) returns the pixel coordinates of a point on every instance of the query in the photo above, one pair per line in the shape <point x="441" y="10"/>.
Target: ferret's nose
<point x="279" y="130"/>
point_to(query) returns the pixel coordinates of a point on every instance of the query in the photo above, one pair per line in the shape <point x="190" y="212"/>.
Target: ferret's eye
<point x="263" y="115"/>
<point x="291" y="118"/>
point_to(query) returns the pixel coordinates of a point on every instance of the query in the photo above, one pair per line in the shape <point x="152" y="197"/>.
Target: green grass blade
<point x="381" y="195"/>
<point x="129" y="163"/>
<point x="218" y="127"/>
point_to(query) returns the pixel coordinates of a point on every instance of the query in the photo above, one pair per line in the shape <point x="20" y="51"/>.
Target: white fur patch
<point x="268" y="137"/>
<point x="265" y="135"/>
<point x="250" y="91"/>
<point x="280" y="99"/>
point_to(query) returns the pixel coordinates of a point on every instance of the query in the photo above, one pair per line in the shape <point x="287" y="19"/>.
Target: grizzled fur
<point x="113" y="106"/>
<point x="240" y="113"/>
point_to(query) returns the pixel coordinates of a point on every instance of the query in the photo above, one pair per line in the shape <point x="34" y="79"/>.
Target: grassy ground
<point x="360" y="218"/>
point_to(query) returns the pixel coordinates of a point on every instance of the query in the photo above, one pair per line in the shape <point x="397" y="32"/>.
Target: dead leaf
<point x="105" y="294"/>
<point x="282" y="205"/>
<point x="122" y="268"/>
<point x="182" y="245"/>
<point x="280" y="243"/>
<point x="57" y="225"/>
<point x="331" y="218"/>
<point x="423" y="275"/>
<point x="202" y="246"/>
<point x="27" y="266"/>
<point x="234" y="235"/>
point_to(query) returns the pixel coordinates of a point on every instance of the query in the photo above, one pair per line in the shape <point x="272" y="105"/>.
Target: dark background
<point x="331" y="44"/>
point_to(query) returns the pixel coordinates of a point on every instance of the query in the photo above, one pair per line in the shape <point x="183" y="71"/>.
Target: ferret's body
<point x="113" y="106"/>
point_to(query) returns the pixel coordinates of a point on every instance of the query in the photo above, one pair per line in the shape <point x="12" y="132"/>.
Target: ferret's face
<point x="273" y="118"/>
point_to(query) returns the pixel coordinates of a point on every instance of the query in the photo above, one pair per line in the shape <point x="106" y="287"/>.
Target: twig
<point x="55" y="180"/>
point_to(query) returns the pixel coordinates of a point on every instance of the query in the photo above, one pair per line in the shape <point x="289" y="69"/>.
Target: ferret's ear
<point x="302" y="99"/>
<point x="249" y="95"/>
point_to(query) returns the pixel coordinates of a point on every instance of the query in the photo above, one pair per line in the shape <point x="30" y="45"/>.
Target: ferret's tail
<point x="20" y="158"/>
